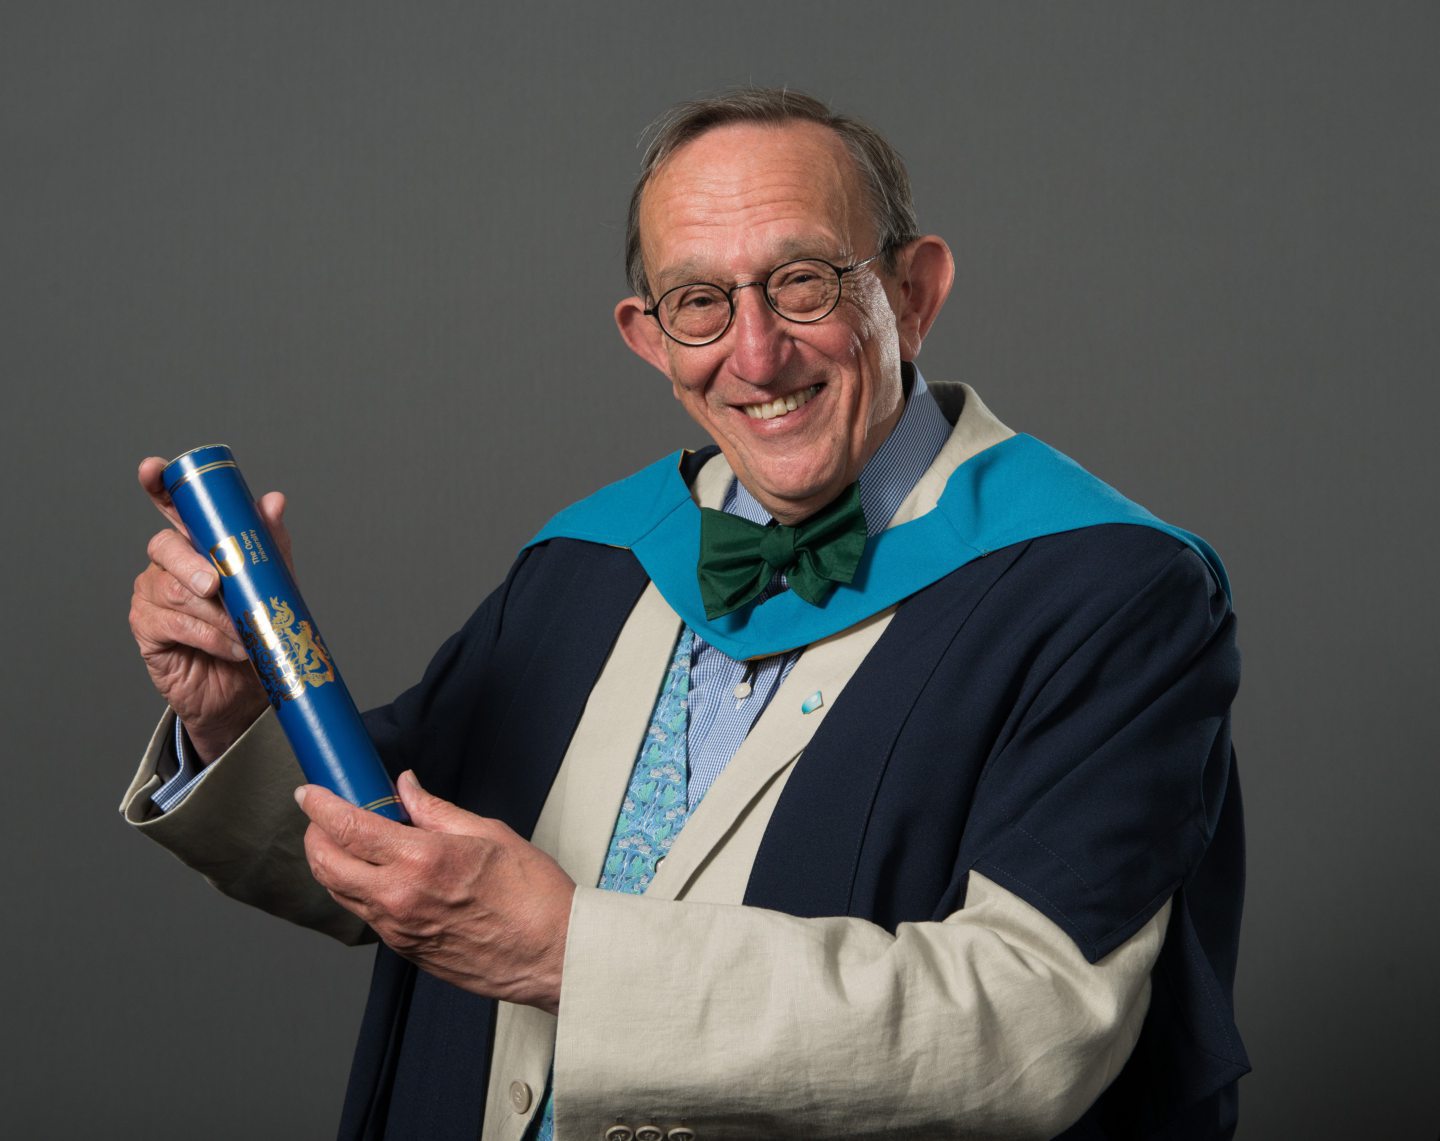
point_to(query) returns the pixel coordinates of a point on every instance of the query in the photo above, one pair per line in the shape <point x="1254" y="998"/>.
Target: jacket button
<point x="680" y="1133"/>
<point x="649" y="1133"/>
<point x="520" y="1096"/>
<point x="619" y="1133"/>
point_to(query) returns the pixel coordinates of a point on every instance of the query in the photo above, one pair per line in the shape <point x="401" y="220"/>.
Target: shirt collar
<point x="885" y="481"/>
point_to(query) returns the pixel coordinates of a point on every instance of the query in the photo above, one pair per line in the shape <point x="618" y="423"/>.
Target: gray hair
<point x="882" y="171"/>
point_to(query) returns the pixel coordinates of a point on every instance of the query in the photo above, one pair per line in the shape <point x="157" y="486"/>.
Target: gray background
<point x="375" y="247"/>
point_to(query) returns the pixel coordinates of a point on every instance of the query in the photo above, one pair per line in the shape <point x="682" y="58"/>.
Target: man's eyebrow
<point x="681" y="273"/>
<point x="693" y="270"/>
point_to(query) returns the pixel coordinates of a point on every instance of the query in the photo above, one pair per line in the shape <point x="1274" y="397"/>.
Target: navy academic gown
<point x="1054" y="715"/>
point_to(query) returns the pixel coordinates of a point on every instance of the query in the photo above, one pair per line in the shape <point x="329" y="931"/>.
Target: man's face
<point x="729" y="207"/>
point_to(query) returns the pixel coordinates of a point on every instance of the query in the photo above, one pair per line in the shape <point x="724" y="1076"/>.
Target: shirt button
<point x="680" y="1133"/>
<point x="520" y="1096"/>
<point x="619" y="1133"/>
<point x="649" y="1133"/>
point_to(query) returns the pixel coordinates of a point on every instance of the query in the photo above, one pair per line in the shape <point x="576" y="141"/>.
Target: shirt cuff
<point x="188" y="772"/>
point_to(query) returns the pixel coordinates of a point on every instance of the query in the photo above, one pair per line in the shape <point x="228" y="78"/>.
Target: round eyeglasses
<point x="803" y="291"/>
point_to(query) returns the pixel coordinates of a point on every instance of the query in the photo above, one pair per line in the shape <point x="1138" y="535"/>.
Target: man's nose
<point x="762" y="344"/>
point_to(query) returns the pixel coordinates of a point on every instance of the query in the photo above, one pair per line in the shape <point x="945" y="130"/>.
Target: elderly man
<point x="866" y="775"/>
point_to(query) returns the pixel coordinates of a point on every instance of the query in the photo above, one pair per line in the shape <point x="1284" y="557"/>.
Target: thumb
<point x="432" y="813"/>
<point x="152" y="479"/>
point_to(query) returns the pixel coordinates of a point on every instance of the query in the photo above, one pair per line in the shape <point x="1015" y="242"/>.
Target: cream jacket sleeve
<point x="737" y="1022"/>
<point x="240" y="828"/>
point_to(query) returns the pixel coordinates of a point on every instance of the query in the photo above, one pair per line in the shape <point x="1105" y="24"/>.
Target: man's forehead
<point x="745" y="190"/>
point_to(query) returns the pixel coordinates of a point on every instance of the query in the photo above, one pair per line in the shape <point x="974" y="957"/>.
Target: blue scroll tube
<point x="299" y="676"/>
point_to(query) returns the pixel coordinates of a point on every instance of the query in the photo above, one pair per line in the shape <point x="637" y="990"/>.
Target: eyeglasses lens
<point x="695" y="312"/>
<point x="803" y="290"/>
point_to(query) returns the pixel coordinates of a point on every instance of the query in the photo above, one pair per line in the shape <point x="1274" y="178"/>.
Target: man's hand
<point x="189" y="644"/>
<point x="459" y="895"/>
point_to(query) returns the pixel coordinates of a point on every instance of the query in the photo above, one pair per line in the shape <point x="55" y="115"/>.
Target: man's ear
<point x="642" y="333"/>
<point x="924" y="274"/>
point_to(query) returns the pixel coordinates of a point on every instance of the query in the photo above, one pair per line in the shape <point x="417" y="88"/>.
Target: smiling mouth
<point x="781" y="405"/>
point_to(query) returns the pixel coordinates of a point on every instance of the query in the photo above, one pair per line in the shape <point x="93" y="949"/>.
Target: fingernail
<point x="237" y="651"/>
<point x="300" y="796"/>
<point x="408" y="777"/>
<point x="201" y="581"/>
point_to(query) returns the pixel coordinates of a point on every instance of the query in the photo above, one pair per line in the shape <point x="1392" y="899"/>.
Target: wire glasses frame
<point x="803" y="291"/>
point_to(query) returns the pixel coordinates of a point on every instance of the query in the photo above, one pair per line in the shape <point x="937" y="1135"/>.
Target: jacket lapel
<point x="579" y="819"/>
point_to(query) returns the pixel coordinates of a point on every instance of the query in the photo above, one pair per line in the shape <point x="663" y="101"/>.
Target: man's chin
<point x="794" y="501"/>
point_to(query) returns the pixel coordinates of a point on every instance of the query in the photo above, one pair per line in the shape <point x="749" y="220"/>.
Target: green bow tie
<point x="738" y="557"/>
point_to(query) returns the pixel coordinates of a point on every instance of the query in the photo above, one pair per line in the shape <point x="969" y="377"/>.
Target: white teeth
<point x="781" y="404"/>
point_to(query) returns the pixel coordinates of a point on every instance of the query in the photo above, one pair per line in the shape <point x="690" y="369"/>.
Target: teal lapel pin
<point x="813" y="702"/>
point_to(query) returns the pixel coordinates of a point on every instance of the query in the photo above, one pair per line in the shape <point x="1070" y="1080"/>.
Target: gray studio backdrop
<point x="375" y="247"/>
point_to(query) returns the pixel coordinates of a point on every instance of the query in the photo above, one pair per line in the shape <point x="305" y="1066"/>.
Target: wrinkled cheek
<point x="700" y="403"/>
